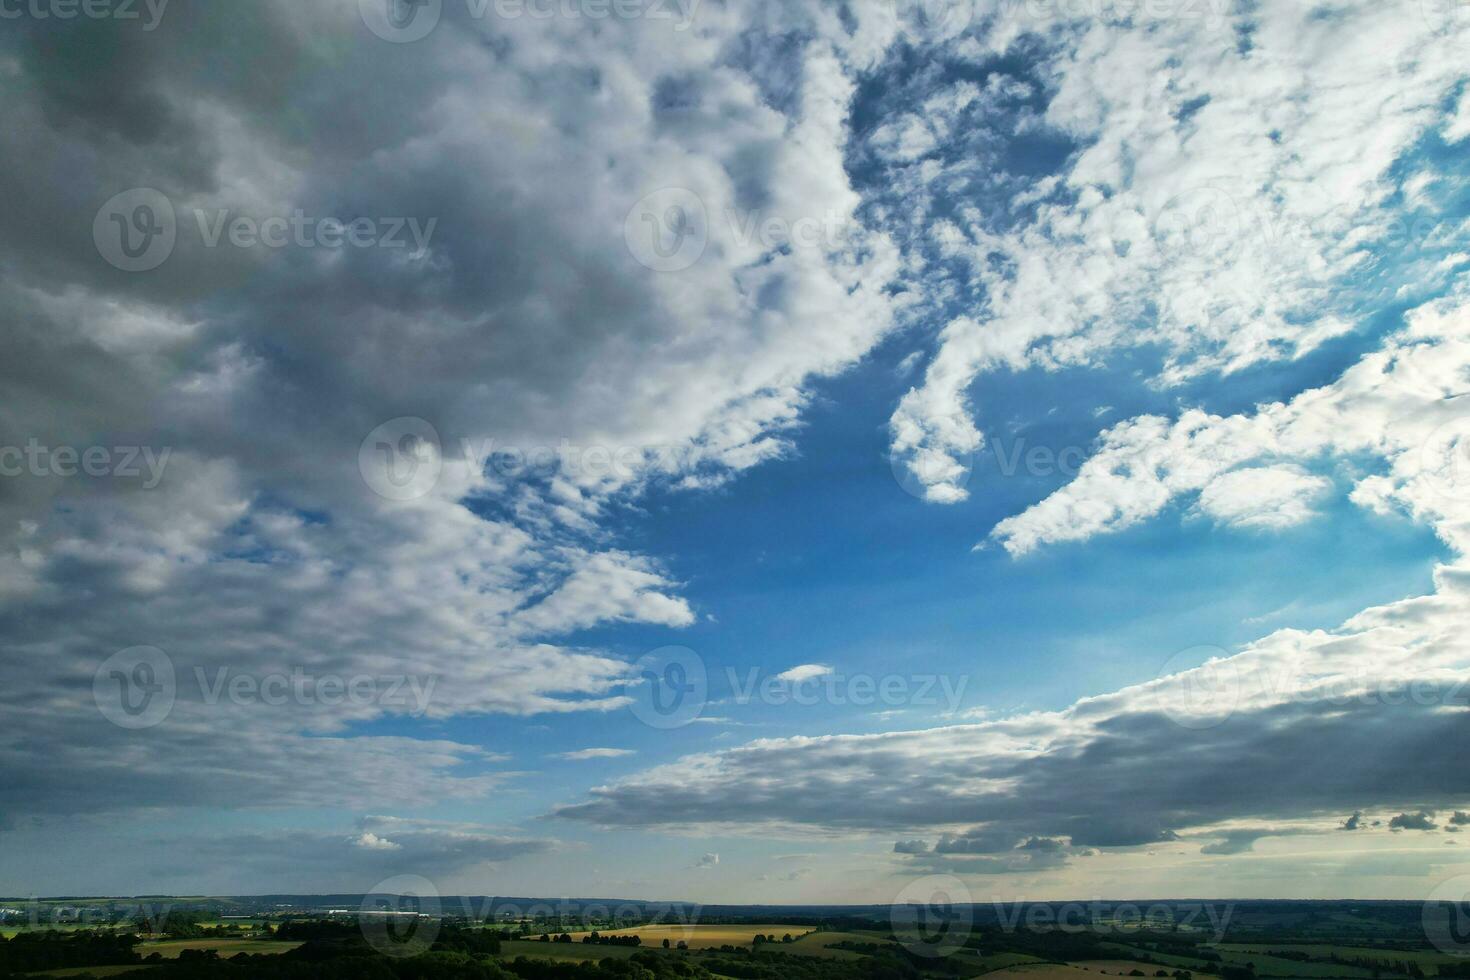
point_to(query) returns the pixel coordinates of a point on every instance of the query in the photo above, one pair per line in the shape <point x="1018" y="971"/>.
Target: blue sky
<point x="1089" y="374"/>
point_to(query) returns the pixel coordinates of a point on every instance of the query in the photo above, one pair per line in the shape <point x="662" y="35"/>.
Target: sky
<point x="734" y="452"/>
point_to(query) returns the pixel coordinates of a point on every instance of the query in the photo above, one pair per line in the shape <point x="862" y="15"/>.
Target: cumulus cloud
<point x="1217" y="216"/>
<point x="275" y="539"/>
<point x="1423" y="820"/>
<point x="1394" y="405"/>
<point x="1265" y="497"/>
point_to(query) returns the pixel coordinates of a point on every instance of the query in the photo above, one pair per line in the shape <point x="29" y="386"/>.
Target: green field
<point x="1042" y="971"/>
<point x="1173" y="962"/>
<point x="170" y="949"/>
<point x="1422" y="957"/>
<point x="1004" y="961"/>
<point x="1274" y="966"/>
<point x="565" y="952"/>
<point x="1126" y="966"/>
<point x="816" y="943"/>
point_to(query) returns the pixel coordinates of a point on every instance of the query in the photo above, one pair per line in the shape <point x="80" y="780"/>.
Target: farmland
<point x="170" y="949"/>
<point x="702" y="936"/>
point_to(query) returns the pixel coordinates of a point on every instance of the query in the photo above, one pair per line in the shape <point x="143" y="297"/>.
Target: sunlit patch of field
<point x="170" y="949"/>
<point x="701" y="936"/>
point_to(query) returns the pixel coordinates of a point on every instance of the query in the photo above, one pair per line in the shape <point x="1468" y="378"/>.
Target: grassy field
<point x="700" y="936"/>
<point x="816" y="943"/>
<point x="1004" y="961"/>
<point x="1322" y="950"/>
<point x="1042" y="971"/>
<point x="564" y="952"/>
<point x="1126" y="966"/>
<point x="1164" y="959"/>
<point x="170" y="949"/>
<point x="1273" y="966"/>
<point x="90" y="971"/>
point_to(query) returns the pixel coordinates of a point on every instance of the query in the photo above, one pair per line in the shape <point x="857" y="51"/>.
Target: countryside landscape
<point x="477" y="936"/>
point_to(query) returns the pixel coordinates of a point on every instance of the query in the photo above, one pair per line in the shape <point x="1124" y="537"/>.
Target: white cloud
<point x="803" y="672"/>
<point x="1266" y="497"/>
<point x="373" y="842"/>
<point x="1223" y="205"/>
<point x="580" y="755"/>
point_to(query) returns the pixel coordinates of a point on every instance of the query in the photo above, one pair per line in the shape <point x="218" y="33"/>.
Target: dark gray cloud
<point x="1124" y="770"/>
<point x="266" y="547"/>
<point x="1423" y="820"/>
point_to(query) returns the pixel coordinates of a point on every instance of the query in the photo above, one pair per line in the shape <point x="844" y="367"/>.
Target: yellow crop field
<point x="699" y="936"/>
